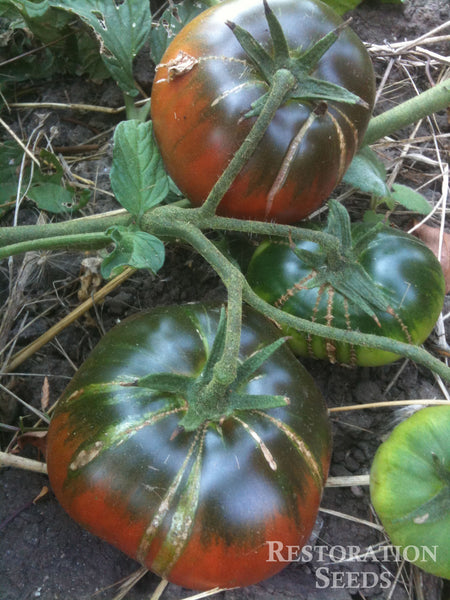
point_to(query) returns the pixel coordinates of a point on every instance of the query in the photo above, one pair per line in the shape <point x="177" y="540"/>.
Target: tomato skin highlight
<point x="398" y="263"/>
<point x="410" y="487"/>
<point x="198" y="116"/>
<point x="197" y="508"/>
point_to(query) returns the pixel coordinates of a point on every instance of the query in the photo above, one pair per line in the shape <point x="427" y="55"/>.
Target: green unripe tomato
<point x="410" y="488"/>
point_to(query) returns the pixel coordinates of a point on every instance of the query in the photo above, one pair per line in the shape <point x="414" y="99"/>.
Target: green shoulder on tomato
<point x="410" y="488"/>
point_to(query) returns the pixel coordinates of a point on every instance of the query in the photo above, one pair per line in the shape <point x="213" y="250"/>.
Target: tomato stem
<point x="69" y="234"/>
<point x="160" y="223"/>
<point x="80" y="241"/>
<point x="133" y="111"/>
<point x="38" y="234"/>
<point x="174" y="222"/>
<point x="283" y="82"/>
<point x="326" y="241"/>
<point x="226" y="367"/>
<point x="414" y="353"/>
<point x="432" y="100"/>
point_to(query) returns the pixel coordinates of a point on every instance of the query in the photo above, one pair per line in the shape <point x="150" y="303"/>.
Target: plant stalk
<point x="81" y="241"/>
<point x="11" y="460"/>
<point x="83" y="225"/>
<point x="432" y="100"/>
<point x="159" y="224"/>
<point x="67" y="235"/>
<point x="326" y="241"/>
<point x="133" y="111"/>
<point x="415" y="353"/>
<point x="233" y="279"/>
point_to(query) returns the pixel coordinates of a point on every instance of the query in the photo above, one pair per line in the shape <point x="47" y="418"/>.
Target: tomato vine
<point x="189" y="225"/>
<point x="195" y="375"/>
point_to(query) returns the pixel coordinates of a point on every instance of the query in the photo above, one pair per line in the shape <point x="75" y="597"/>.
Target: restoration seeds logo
<point x="326" y="559"/>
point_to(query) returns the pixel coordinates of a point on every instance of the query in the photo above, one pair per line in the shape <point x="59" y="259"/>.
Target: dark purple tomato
<point x="196" y="507"/>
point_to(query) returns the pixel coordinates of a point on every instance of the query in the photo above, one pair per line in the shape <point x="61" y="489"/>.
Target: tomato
<point x="196" y="507"/>
<point x="398" y="264"/>
<point x="410" y="488"/>
<point x="205" y="85"/>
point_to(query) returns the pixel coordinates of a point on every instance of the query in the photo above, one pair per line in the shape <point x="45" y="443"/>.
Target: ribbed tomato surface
<point x="196" y="507"/>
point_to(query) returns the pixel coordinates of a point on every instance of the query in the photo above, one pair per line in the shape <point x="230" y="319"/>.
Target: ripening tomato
<point x="205" y="85"/>
<point x="399" y="265"/>
<point x="410" y="488"/>
<point x="196" y="507"/>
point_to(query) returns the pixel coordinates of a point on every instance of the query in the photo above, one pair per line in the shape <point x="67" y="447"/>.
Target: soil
<point x="44" y="554"/>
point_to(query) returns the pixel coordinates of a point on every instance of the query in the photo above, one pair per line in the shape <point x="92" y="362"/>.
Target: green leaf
<point x="43" y="21"/>
<point x="89" y="59"/>
<point x="73" y="49"/>
<point x="215" y="352"/>
<point x="8" y="193"/>
<point x="27" y="8"/>
<point x="7" y="10"/>
<point x="10" y="159"/>
<point x="52" y="197"/>
<point x="410" y="199"/>
<point x="121" y="28"/>
<point x="367" y="173"/>
<point x="138" y="177"/>
<point x="50" y="26"/>
<point x="343" y="271"/>
<point x="133" y="248"/>
<point x="358" y="287"/>
<point x="309" y="58"/>
<point x="45" y="189"/>
<point x="171" y="22"/>
<point x="51" y="170"/>
<point x="310" y="88"/>
<point x="373" y="218"/>
<point x="315" y="260"/>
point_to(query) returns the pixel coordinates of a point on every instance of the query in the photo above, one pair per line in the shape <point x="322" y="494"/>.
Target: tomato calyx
<point x="205" y="397"/>
<point x="301" y="63"/>
<point x="342" y="270"/>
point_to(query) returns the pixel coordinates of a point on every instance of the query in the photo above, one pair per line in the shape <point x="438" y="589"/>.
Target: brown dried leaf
<point x="431" y="236"/>
<point x="45" y="394"/>
<point x="90" y="277"/>
<point x="42" y="493"/>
